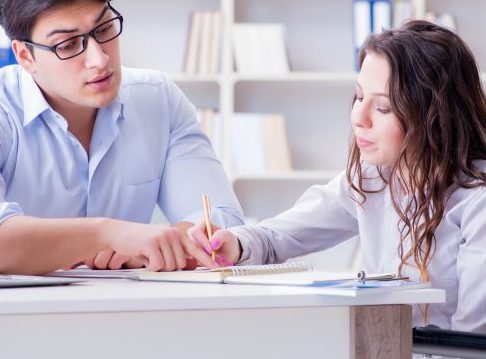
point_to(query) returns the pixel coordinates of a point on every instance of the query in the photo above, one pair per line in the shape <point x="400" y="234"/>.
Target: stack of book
<point x="259" y="144"/>
<point x="257" y="141"/>
<point x="203" y="49"/>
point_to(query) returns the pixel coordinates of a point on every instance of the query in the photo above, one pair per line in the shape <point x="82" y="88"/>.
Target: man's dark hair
<point x="18" y="17"/>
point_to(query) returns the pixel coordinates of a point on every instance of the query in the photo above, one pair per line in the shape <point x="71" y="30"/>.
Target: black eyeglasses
<point x="76" y="45"/>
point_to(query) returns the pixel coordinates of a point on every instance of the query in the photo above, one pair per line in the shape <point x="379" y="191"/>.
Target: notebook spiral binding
<point x="270" y="269"/>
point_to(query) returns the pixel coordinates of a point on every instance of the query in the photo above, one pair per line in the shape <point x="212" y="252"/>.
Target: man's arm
<point x="31" y="245"/>
<point x="192" y="169"/>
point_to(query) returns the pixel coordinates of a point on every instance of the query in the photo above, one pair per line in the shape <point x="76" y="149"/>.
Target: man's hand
<point x="158" y="247"/>
<point x="108" y="259"/>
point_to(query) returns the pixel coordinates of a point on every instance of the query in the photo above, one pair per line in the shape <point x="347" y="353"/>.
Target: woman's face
<point x="377" y="130"/>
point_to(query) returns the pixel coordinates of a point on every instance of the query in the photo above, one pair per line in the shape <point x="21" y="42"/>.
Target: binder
<point x="7" y="56"/>
<point x="381" y="15"/>
<point x="362" y="24"/>
<point x="369" y="16"/>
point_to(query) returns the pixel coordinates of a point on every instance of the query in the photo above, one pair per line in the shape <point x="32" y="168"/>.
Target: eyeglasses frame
<point x="84" y="36"/>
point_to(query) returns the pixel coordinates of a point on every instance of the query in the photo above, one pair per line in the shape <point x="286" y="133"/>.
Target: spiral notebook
<point x="226" y="274"/>
<point x="219" y="275"/>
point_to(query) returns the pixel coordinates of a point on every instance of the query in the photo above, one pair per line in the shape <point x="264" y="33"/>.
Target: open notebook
<point x="294" y="274"/>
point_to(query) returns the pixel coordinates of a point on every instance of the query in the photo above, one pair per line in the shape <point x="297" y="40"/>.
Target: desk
<point x="121" y="319"/>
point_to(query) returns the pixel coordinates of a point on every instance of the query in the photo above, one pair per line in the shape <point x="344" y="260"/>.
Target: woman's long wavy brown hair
<point x="435" y="91"/>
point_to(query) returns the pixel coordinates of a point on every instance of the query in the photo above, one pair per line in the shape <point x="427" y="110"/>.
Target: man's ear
<point x="24" y="56"/>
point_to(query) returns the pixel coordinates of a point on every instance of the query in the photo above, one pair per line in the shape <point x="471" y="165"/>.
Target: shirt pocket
<point x="138" y="200"/>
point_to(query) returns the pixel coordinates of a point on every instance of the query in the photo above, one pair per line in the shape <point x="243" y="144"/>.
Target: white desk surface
<point x="122" y="295"/>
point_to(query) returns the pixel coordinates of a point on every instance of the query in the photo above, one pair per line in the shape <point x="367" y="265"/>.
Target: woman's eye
<point x="384" y="110"/>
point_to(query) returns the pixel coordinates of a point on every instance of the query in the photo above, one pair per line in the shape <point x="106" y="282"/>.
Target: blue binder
<point x="7" y="56"/>
<point x="369" y="16"/>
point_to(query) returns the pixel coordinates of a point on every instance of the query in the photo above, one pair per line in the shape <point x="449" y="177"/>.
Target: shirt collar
<point x="32" y="98"/>
<point x="35" y="103"/>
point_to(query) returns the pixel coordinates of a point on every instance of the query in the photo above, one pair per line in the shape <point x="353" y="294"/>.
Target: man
<point x="87" y="149"/>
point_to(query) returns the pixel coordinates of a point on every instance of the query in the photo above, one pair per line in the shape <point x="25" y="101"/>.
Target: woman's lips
<point x="362" y="143"/>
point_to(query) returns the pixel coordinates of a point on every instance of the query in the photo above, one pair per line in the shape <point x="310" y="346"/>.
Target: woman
<point x="414" y="189"/>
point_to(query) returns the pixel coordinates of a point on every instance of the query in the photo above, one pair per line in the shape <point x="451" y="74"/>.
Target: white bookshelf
<point x="315" y="97"/>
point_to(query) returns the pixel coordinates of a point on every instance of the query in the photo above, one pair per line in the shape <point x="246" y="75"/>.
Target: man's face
<point x="89" y="80"/>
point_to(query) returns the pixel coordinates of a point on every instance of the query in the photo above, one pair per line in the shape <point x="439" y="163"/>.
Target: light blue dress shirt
<point x="147" y="148"/>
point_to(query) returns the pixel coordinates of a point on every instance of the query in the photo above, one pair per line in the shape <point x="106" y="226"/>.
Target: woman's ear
<point x="24" y="56"/>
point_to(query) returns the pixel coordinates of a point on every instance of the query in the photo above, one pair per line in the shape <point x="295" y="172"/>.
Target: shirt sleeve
<point x="192" y="169"/>
<point x="323" y="217"/>
<point x="470" y="314"/>
<point x="7" y="209"/>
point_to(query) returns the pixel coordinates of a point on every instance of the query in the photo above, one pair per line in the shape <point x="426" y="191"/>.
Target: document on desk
<point x="289" y="274"/>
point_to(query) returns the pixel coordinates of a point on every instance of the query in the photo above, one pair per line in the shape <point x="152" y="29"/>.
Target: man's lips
<point x="100" y="78"/>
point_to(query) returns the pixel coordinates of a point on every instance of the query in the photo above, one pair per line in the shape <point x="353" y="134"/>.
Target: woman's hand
<point x="223" y="242"/>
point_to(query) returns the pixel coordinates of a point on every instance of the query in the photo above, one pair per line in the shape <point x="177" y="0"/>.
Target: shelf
<point x="288" y="176"/>
<point x="334" y="77"/>
<point x="187" y="78"/>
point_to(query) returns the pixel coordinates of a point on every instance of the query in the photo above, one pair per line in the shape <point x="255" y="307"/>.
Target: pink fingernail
<point x="215" y="244"/>
<point x="219" y="261"/>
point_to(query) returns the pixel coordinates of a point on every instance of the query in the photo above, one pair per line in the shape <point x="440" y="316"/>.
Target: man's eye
<point x="105" y="28"/>
<point x="68" y="45"/>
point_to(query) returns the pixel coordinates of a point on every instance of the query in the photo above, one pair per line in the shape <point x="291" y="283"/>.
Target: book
<point x="215" y="43"/>
<point x="259" y="143"/>
<point x="203" y="45"/>
<point x="193" y="43"/>
<point x="260" y="49"/>
<point x="212" y="126"/>
<point x="206" y="29"/>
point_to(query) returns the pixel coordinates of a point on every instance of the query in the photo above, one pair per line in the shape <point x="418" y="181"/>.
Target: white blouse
<point x="326" y="215"/>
